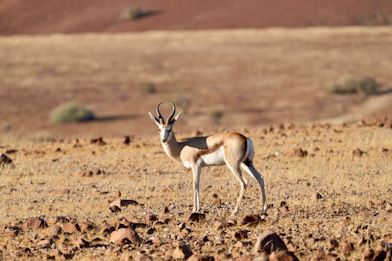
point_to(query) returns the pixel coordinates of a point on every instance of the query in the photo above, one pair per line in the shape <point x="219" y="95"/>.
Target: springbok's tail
<point x="250" y="151"/>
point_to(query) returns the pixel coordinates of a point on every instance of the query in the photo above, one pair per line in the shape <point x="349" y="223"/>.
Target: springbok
<point x="230" y="148"/>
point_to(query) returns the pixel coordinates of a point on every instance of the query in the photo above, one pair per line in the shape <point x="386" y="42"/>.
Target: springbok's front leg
<point x="196" y="188"/>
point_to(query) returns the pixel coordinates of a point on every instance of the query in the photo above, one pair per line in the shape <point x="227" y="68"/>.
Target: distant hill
<point x="77" y="16"/>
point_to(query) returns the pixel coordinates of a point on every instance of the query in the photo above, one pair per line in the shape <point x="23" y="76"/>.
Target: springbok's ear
<point x="177" y="116"/>
<point x="154" y="118"/>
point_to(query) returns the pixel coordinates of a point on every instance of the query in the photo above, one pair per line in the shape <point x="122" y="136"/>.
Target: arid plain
<point x="328" y="183"/>
<point x="328" y="186"/>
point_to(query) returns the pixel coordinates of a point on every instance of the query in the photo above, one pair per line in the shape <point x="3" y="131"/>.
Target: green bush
<point x="71" y="112"/>
<point x="367" y="86"/>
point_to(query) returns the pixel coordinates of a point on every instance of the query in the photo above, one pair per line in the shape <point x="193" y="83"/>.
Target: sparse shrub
<point x="71" y="112"/>
<point x="367" y="86"/>
<point x="149" y="88"/>
<point x="136" y="13"/>
<point x="216" y="116"/>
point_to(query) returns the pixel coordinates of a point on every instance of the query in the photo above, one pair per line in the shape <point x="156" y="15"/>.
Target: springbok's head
<point x="165" y="127"/>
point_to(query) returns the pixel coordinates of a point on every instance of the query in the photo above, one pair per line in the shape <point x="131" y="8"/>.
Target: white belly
<point x="215" y="158"/>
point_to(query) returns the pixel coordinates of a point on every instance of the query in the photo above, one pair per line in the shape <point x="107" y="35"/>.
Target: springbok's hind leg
<point x="251" y="170"/>
<point x="236" y="170"/>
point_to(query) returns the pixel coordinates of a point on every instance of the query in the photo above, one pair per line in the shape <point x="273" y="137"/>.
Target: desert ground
<point x="328" y="186"/>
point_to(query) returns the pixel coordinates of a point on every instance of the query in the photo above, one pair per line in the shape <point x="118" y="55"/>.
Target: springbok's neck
<point x="172" y="148"/>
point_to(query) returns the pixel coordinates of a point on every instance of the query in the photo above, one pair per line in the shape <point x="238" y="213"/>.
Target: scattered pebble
<point x="269" y="242"/>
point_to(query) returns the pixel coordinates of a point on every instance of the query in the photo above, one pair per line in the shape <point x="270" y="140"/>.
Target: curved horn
<point x="173" y="112"/>
<point x="159" y="113"/>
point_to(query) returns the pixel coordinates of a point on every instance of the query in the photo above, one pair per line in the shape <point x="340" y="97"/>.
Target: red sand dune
<point x="75" y="16"/>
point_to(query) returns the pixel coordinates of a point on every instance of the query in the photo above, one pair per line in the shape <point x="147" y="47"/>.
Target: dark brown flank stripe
<point x="208" y="151"/>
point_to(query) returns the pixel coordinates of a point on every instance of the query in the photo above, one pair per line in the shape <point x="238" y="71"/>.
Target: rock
<point x="98" y="141"/>
<point x="182" y="252"/>
<point x="347" y="247"/>
<point x="124" y="223"/>
<point x="156" y="242"/>
<point x="358" y="152"/>
<point x="35" y="223"/>
<point x="197" y="217"/>
<point x="368" y="255"/>
<point x="61" y="219"/>
<point x="66" y="256"/>
<point x="151" y="231"/>
<point x="81" y="243"/>
<point x="224" y="224"/>
<point x="114" y="195"/>
<point x="11" y="151"/>
<point x="201" y="258"/>
<point x="121" y="235"/>
<point x="71" y="228"/>
<point x="216" y="200"/>
<point x="86" y="226"/>
<point x="54" y="230"/>
<point x="299" y="152"/>
<point x="251" y="219"/>
<point x="283" y="204"/>
<point x="116" y="205"/>
<point x="371" y="255"/>
<point x="239" y="244"/>
<point x="219" y="225"/>
<point x="13" y="231"/>
<point x="388" y="207"/>
<point x="106" y="228"/>
<point x="318" y="196"/>
<point x="4" y="159"/>
<point x="283" y="256"/>
<point x="114" y="208"/>
<point x="269" y="242"/>
<point x="333" y="244"/>
<point x="165" y="211"/>
<point x="240" y="235"/>
<point x="152" y="218"/>
<point x="44" y="243"/>
<point x="380" y="254"/>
